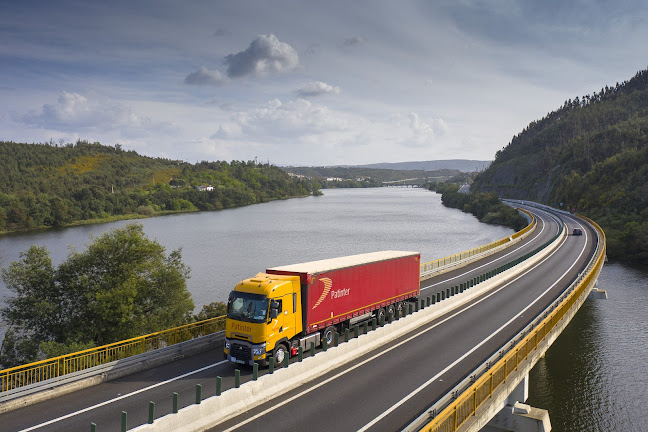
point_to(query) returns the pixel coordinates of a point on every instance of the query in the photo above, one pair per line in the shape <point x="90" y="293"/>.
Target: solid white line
<point x="408" y="397"/>
<point x="121" y="397"/>
<point x="490" y="262"/>
<point x="449" y="317"/>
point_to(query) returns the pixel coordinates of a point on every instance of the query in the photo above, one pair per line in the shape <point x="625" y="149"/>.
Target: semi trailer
<point x="274" y="313"/>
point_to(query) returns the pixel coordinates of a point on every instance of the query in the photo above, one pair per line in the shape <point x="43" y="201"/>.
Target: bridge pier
<point x="519" y="417"/>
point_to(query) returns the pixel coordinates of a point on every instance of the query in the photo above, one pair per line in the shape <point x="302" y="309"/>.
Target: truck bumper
<point x="243" y="352"/>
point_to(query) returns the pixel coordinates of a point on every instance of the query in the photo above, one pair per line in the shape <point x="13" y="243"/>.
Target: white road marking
<point x="318" y="385"/>
<point x="434" y="378"/>
<point x="47" y="423"/>
<point x="490" y="262"/>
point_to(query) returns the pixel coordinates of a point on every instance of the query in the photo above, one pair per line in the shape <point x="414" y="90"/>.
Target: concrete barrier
<point x="217" y="409"/>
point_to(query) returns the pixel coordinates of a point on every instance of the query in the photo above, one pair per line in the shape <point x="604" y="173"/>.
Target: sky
<point x="306" y="83"/>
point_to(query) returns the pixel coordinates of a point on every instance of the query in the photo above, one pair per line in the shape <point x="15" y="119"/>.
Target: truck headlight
<point x="227" y="345"/>
<point x="258" y="350"/>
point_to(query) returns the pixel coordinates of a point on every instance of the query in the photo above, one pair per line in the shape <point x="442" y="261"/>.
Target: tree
<point x="33" y="314"/>
<point x="211" y="310"/>
<point x="122" y="286"/>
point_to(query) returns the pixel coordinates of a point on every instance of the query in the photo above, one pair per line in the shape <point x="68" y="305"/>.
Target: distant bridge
<point x="412" y="182"/>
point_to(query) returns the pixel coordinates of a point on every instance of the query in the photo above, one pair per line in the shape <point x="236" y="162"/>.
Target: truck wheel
<point x="328" y="334"/>
<point x="280" y="354"/>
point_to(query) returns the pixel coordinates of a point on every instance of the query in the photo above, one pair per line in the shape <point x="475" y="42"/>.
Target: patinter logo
<point x="328" y="283"/>
<point x="241" y="327"/>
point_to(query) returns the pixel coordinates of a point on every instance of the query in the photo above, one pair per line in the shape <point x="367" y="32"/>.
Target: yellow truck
<point x="275" y="312"/>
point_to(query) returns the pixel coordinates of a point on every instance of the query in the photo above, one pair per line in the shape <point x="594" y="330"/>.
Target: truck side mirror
<point x="274" y="305"/>
<point x="274" y="313"/>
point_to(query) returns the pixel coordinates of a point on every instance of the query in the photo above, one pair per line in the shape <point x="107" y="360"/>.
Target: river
<point x="594" y="378"/>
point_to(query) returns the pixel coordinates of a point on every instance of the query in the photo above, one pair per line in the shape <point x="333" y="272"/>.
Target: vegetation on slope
<point x="44" y="185"/>
<point x="589" y="156"/>
<point x="486" y="207"/>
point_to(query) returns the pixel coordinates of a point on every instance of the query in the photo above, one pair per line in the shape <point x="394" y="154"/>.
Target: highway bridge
<point x="406" y="379"/>
<point x="411" y="182"/>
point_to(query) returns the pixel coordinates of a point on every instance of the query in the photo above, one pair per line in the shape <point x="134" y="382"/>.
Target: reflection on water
<point x="595" y="375"/>
<point x="224" y="247"/>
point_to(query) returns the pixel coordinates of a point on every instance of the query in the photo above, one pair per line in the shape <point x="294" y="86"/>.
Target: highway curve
<point x="361" y="391"/>
<point x="386" y="389"/>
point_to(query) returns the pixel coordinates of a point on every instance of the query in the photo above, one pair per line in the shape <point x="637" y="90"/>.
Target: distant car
<point x="577" y="231"/>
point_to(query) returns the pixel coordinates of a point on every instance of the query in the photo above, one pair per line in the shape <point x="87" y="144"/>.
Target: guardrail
<point x="432" y="265"/>
<point x="55" y="367"/>
<point x="465" y="405"/>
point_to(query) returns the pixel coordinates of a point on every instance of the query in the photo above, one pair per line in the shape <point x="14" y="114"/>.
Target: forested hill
<point x="590" y="156"/>
<point x="44" y="185"/>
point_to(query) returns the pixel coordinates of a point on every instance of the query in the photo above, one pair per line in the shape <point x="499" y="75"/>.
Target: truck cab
<point x="263" y="315"/>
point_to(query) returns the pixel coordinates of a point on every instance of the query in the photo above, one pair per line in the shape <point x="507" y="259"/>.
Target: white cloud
<point x="204" y="76"/>
<point x="425" y="133"/>
<point x="317" y="88"/>
<point x="266" y="54"/>
<point x="293" y="118"/>
<point x="300" y="130"/>
<point x="75" y="114"/>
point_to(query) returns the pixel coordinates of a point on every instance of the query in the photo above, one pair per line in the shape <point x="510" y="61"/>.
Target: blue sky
<point x="306" y="83"/>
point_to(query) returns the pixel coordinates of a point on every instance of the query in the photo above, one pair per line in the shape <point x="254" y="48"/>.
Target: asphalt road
<point x="442" y="353"/>
<point x="387" y="389"/>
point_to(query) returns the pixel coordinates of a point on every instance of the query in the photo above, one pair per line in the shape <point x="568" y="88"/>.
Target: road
<point x="438" y="355"/>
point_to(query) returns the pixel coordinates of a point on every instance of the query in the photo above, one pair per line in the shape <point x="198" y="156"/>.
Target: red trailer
<point x="352" y="288"/>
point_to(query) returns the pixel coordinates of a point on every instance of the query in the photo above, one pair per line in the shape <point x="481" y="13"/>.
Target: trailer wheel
<point x="328" y="334"/>
<point x="391" y="309"/>
<point x="280" y="353"/>
<point x="399" y="308"/>
<point x="380" y="314"/>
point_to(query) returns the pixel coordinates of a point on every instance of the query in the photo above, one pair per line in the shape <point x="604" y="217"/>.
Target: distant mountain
<point x="463" y="165"/>
<point x="590" y="156"/>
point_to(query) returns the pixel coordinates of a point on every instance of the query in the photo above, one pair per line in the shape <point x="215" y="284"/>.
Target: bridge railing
<point x="433" y="265"/>
<point x="466" y="404"/>
<point x="55" y="367"/>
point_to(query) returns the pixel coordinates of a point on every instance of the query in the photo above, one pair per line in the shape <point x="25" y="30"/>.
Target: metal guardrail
<point x="433" y="265"/>
<point x="465" y="405"/>
<point x="55" y="367"/>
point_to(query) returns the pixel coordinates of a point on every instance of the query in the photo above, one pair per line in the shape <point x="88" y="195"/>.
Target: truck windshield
<point x="247" y="307"/>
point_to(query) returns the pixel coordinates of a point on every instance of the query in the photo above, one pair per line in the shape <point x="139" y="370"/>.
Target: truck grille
<point x="241" y="352"/>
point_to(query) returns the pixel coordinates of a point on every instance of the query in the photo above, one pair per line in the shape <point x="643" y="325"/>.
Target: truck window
<point x="247" y="307"/>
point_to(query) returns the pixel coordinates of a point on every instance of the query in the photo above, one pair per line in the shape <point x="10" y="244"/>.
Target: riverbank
<point x="135" y="216"/>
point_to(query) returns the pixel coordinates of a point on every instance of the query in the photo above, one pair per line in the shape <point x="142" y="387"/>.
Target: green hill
<point x="588" y="156"/>
<point x="44" y="185"/>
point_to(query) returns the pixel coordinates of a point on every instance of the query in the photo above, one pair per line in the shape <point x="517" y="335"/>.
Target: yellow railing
<point x="55" y="367"/>
<point x="432" y="265"/>
<point x="31" y="373"/>
<point x="466" y="405"/>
